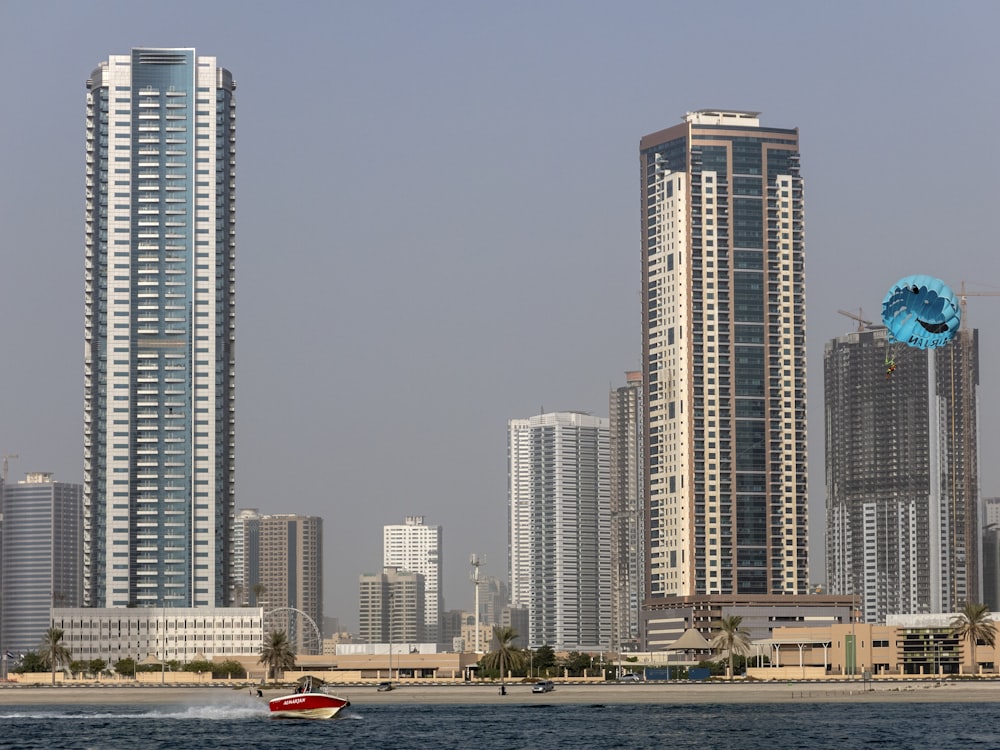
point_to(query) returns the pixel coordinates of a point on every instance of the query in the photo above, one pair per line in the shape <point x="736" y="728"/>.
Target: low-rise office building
<point x="665" y="620"/>
<point x="907" y="645"/>
<point x="167" y="634"/>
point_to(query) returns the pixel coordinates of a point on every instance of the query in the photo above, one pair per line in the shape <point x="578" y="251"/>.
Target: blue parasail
<point x="921" y="311"/>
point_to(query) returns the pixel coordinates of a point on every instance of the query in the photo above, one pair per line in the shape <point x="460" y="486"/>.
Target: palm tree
<point x="505" y="655"/>
<point x="52" y="651"/>
<point x="731" y="638"/>
<point x="277" y="652"/>
<point x="974" y="623"/>
<point x="257" y="589"/>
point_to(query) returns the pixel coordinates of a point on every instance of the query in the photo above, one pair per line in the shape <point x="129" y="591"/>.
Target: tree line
<point x="52" y="655"/>
<point x="973" y="624"/>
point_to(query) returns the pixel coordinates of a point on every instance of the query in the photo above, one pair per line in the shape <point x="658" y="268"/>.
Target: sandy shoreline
<point x="520" y="694"/>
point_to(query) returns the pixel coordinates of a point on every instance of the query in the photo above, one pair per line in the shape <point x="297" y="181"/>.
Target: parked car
<point x="630" y="677"/>
<point x="543" y="686"/>
<point x="384" y="687"/>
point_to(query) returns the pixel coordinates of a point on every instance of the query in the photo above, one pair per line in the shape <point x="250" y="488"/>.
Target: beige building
<point x="282" y="571"/>
<point x="406" y="665"/>
<point x="724" y="358"/>
<point x="391" y="606"/>
<point x="331" y="641"/>
<point x="908" y="646"/>
<point x="666" y="620"/>
<point x="469" y="634"/>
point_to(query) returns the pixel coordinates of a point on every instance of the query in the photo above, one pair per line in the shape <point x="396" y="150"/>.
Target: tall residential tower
<point x="724" y="359"/>
<point x="627" y="526"/>
<point x="159" y="333"/>
<point x="282" y="572"/>
<point x="902" y="474"/>
<point x="559" y="521"/>
<point x="42" y="557"/>
<point x="391" y="607"/>
<point x="416" y="547"/>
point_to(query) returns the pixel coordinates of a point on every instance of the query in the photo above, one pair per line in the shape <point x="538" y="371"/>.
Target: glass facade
<point x="724" y="358"/>
<point x="559" y="525"/>
<point x="159" y="331"/>
<point x="40" y="557"/>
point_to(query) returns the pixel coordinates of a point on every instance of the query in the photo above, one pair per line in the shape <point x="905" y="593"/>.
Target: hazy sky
<point x="438" y="222"/>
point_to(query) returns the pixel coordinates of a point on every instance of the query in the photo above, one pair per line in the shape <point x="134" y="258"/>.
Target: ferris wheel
<point x="302" y="632"/>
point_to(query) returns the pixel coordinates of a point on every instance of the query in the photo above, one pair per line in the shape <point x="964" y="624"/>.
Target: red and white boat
<point x="307" y="703"/>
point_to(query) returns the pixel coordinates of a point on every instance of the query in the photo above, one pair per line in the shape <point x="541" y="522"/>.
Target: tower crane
<point x="962" y="294"/>
<point x="863" y="324"/>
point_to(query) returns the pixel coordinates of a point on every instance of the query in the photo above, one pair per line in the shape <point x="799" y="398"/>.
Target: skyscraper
<point x="282" y="568"/>
<point x="627" y="526"/>
<point x="419" y="548"/>
<point x="724" y="358"/>
<point x="391" y="607"/>
<point x="42" y="560"/>
<point x="559" y="522"/>
<point x="494" y="596"/>
<point x="246" y="573"/>
<point x="159" y="362"/>
<point x="902" y="474"/>
<point x="991" y="552"/>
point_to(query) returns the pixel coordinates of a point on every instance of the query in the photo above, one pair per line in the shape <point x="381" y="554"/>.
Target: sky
<point x="438" y="223"/>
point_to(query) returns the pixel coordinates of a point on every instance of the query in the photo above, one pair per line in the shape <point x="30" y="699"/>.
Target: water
<point x="245" y="725"/>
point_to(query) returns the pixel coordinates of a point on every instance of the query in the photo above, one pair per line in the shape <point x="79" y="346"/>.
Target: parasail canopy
<point x="921" y="311"/>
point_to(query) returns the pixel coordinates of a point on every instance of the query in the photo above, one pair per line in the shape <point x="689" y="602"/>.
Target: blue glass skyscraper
<point x="159" y="380"/>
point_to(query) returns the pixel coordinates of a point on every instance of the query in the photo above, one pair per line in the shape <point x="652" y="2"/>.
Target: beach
<point x="962" y="691"/>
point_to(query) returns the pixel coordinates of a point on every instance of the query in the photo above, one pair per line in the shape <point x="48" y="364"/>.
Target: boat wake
<point x="213" y="712"/>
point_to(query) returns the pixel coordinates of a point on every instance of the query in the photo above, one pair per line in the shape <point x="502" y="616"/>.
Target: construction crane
<point x="6" y="465"/>
<point x="962" y="294"/>
<point x="862" y="323"/>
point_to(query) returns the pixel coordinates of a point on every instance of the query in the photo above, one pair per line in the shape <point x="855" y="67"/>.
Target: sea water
<point x="246" y="726"/>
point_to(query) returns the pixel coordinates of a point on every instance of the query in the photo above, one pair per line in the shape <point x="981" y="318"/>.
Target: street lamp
<point x="163" y="659"/>
<point x="854" y="639"/>
<point x="392" y="600"/>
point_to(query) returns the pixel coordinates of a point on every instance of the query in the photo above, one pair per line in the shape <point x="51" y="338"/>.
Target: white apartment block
<point x="559" y="521"/>
<point x="168" y="634"/>
<point x="418" y="548"/>
<point x="159" y="331"/>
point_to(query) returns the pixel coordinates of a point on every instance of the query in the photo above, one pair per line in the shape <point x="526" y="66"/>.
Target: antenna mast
<point x="474" y="562"/>
<point x="6" y="465"/>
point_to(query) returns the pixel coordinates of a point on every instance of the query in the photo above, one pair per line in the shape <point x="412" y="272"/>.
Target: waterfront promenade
<point x="958" y="691"/>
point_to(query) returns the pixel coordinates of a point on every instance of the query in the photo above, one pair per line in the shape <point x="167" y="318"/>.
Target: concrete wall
<point x="787" y="673"/>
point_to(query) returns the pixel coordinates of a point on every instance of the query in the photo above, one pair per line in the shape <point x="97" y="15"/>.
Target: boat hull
<point x="307" y="706"/>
